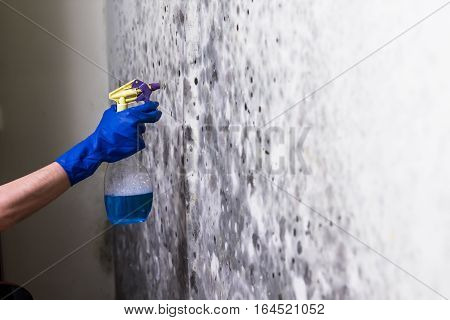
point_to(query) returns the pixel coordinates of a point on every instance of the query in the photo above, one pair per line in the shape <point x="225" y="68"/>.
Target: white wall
<point x="51" y="98"/>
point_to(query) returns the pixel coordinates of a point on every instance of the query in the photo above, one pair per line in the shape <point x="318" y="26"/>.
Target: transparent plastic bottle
<point x="128" y="191"/>
<point x="128" y="188"/>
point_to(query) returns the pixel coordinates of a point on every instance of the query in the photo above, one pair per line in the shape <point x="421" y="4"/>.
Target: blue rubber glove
<point x="117" y="136"/>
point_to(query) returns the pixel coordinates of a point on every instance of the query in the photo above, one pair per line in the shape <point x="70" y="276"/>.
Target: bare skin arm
<point x="21" y="197"/>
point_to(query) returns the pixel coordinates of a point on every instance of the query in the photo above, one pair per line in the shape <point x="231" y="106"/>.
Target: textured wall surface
<point x="345" y="196"/>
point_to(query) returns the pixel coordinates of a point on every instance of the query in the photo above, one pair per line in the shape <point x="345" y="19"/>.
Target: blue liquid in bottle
<point x="128" y="209"/>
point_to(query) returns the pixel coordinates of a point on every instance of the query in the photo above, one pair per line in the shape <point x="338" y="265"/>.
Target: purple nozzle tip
<point x="155" y="86"/>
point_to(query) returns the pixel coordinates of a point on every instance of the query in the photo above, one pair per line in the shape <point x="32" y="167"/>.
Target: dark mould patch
<point x="188" y="134"/>
<point x="193" y="282"/>
<point x="255" y="239"/>
<point x="166" y="146"/>
<point x="252" y="274"/>
<point x="282" y="224"/>
<point x="181" y="17"/>
<point x="187" y="93"/>
<point x="214" y="76"/>
<point x="307" y="275"/>
<point x="195" y="233"/>
<point x="213" y="182"/>
<point x="251" y="180"/>
<point x="299" y="247"/>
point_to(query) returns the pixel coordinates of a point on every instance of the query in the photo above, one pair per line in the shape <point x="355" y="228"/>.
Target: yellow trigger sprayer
<point x="128" y="188"/>
<point x="134" y="91"/>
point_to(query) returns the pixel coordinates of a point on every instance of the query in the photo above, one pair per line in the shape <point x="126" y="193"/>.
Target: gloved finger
<point x="148" y="106"/>
<point x="150" y="117"/>
<point x="141" y="143"/>
<point x="141" y="128"/>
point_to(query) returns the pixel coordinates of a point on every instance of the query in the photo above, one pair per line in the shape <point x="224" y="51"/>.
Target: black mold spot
<point x="193" y="282"/>
<point x="188" y="134"/>
<point x="252" y="274"/>
<point x="251" y="180"/>
<point x="181" y="17"/>
<point x="196" y="81"/>
<point x="299" y="247"/>
<point x="195" y="233"/>
<point x="255" y="239"/>
<point x="307" y="275"/>
<point x="187" y="94"/>
<point x="214" y="75"/>
<point x="282" y="228"/>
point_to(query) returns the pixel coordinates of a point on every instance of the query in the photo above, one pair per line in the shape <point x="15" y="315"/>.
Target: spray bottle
<point x="128" y="188"/>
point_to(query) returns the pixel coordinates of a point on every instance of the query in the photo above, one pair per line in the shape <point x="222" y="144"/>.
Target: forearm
<point x="21" y="197"/>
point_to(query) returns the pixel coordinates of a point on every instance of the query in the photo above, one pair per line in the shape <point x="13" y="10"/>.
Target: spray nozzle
<point x="133" y="91"/>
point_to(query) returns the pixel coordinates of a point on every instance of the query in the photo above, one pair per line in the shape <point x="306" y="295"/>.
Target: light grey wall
<point x="50" y="99"/>
<point x="376" y="150"/>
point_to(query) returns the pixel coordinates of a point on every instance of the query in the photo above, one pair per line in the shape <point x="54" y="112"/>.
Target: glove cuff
<point x="81" y="161"/>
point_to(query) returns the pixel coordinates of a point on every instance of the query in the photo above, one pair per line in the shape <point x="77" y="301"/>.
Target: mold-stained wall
<point x="331" y="199"/>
